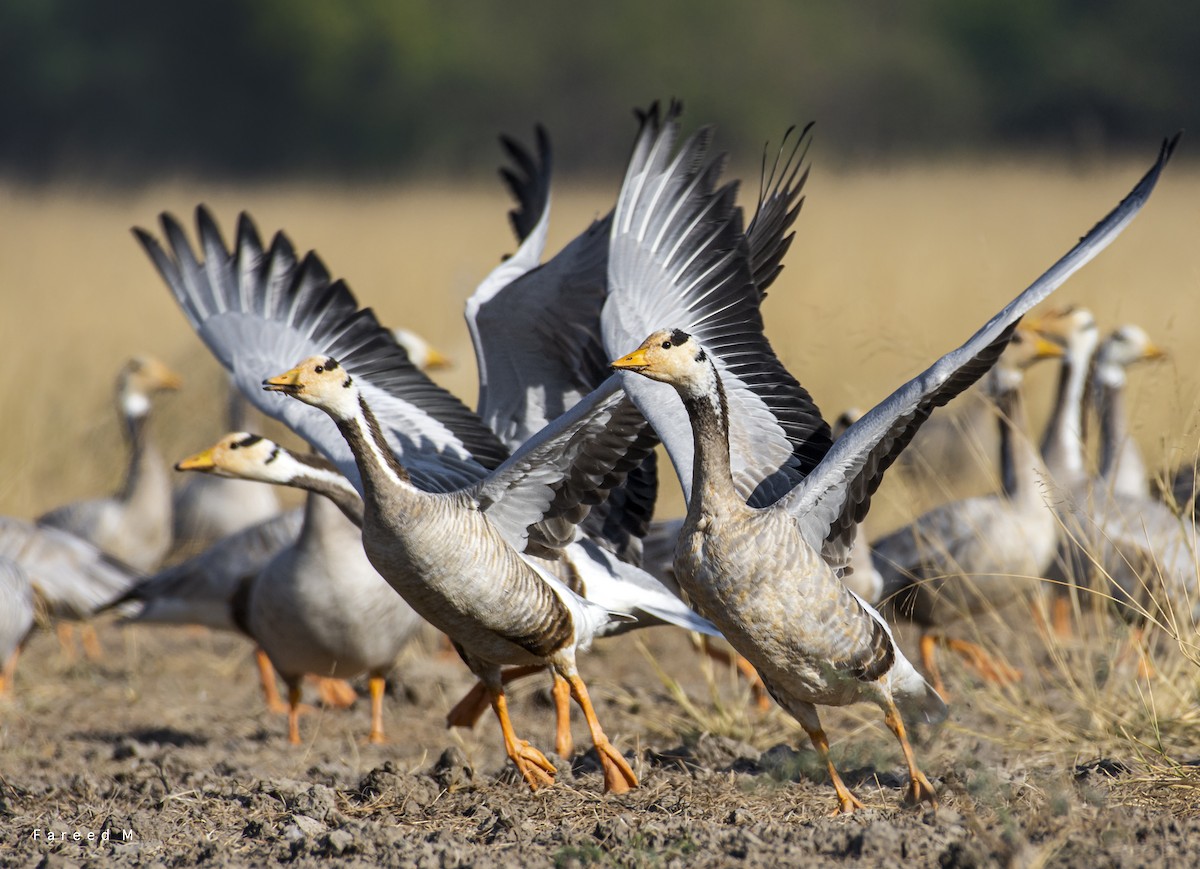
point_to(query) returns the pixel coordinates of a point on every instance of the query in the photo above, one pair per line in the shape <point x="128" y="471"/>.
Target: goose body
<point x="134" y="525"/>
<point x="16" y="617"/>
<point x="767" y="575"/>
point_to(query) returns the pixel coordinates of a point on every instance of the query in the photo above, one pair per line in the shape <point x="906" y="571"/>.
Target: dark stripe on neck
<point x="351" y="432"/>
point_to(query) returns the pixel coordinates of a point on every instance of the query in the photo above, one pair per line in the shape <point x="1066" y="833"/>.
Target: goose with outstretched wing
<point x="768" y="576"/>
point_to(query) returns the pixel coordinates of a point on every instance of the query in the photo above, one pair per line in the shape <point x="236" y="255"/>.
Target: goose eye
<point x="319" y="369"/>
<point x="666" y="345"/>
<point x="235" y="446"/>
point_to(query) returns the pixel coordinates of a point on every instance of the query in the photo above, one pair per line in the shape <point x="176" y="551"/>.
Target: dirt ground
<point x="166" y="746"/>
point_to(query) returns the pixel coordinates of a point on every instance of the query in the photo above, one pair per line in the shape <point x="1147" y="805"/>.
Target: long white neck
<point x="1121" y="463"/>
<point x="1062" y="443"/>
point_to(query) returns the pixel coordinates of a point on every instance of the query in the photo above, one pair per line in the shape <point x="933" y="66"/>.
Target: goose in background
<point x="16" y="618"/>
<point x="133" y="525"/>
<point x="71" y="578"/>
<point x="317" y="606"/>
<point x="207" y="508"/>
<point x="745" y="567"/>
<point x="420" y="352"/>
<point x="1121" y="465"/>
<point x="976" y="555"/>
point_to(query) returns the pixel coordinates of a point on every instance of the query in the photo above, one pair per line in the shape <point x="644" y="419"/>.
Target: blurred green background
<point x="310" y="88"/>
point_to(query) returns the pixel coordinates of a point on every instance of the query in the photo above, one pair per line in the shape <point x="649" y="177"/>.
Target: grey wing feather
<point x="72" y="576"/>
<point x="832" y="500"/>
<point x="779" y="202"/>
<point x="678" y="259"/>
<point x="262" y="312"/>
<point x="538" y="497"/>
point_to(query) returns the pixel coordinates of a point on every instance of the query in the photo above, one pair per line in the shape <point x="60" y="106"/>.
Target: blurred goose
<point x="16" y="618"/>
<point x="747" y="568"/>
<point x="71" y="578"/>
<point x="135" y="524"/>
<point x="420" y="352"/>
<point x="317" y="606"/>
<point x="211" y="588"/>
<point x="974" y="555"/>
<point x="1121" y="465"/>
<point x="208" y="508"/>
<point x="1062" y="441"/>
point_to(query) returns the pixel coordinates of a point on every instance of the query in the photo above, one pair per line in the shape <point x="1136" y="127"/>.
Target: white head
<point x="675" y="357"/>
<point x="1124" y="347"/>
<point x="1073" y="327"/>
<point x="1026" y="348"/>
<point x="243" y="456"/>
<point x="420" y="352"/>
<point x="140" y="378"/>
<point x="321" y="382"/>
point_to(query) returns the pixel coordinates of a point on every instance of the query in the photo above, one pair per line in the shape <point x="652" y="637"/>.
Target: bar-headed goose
<point x="208" y="508"/>
<point x="317" y="607"/>
<point x="767" y="576"/>
<point x="977" y="554"/>
<point x="1122" y="467"/>
<point x="133" y="525"/>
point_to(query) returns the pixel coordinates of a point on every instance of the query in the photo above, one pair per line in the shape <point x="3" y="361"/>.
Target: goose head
<point x="1026" y="348"/>
<point x="1124" y="347"/>
<point x="140" y="378"/>
<point x="241" y="455"/>
<point x="321" y="382"/>
<point x="1073" y="327"/>
<point x="420" y="352"/>
<point x="675" y="357"/>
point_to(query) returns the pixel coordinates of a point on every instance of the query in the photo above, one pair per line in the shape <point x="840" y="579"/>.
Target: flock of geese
<point x="523" y="529"/>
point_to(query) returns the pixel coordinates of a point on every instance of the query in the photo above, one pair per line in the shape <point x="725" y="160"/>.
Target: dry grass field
<point x="889" y="270"/>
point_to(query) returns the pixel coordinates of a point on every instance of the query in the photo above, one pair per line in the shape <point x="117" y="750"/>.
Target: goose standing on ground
<point x="317" y="606"/>
<point x="1122" y="467"/>
<point x="208" y="508"/>
<point x="16" y="618"/>
<point x="70" y="577"/>
<point x="497" y="607"/>
<point x="975" y="555"/>
<point x="768" y="576"/>
<point x="134" y="525"/>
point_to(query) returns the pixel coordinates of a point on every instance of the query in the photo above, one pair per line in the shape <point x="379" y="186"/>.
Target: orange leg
<point x="334" y="693"/>
<point x="91" y="643"/>
<point x="1061" y="617"/>
<point x="848" y="803"/>
<point x="266" y="675"/>
<point x="377" y="685"/>
<point x="564" y="745"/>
<point x="988" y="665"/>
<point x="761" y="698"/>
<point x="1136" y="644"/>
<point x="919" y="788"/>
<point x="475" y="702"/>
<point x="66" y="641"/>
<point x="531" y="763"/>
<point x="9" y="672"/>
<point x="618" y="777"/>
<point x="294" y="713"/>
<point x="928" y="644"/>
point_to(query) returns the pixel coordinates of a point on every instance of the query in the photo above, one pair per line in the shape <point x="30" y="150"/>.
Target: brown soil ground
<point x="168" y="738"/>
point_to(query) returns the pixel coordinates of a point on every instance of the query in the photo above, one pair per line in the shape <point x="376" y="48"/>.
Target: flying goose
<point x="767" y="576"/>
<point x="317" y="607"/>
<point x="133" y="525"/>
<point x="971" y="556"/>
<point x="16" y="618"/>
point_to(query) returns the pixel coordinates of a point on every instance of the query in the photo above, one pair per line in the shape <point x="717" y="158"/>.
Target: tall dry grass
<point x="889" y="270"/>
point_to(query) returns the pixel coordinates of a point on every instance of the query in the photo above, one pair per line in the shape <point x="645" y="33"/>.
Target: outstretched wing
<point x="260" y="312"/>
<point x="678" y="260"/>
<point x="835" y="497"/>
<point x="545" y="489"/>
